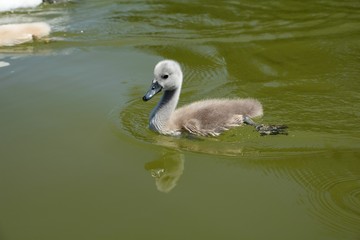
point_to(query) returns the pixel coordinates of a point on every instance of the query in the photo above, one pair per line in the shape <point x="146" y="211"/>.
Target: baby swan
<point x="18" y="33"/>
<point x="204" y="118"/>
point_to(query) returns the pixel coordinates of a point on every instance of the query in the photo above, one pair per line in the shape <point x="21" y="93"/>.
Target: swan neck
<point x="161" y="114"/>
<point x="170" y="99"/>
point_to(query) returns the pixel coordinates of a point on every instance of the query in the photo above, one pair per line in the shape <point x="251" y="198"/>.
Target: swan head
<point x="167" y="76"/>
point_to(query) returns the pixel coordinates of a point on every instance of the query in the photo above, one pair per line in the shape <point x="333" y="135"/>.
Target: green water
<point x="77" y="160"/>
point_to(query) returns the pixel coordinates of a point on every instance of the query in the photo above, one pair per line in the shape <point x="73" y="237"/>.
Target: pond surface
<point x="78" y="161"/>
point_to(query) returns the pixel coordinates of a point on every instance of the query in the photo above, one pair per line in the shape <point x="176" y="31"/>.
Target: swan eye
<point x="165" y="76"/>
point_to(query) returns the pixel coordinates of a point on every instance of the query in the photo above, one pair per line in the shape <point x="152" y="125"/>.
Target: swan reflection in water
<point x="166" y="170"/>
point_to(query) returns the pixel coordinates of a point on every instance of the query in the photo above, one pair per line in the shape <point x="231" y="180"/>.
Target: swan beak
<point x="154" y="89"/>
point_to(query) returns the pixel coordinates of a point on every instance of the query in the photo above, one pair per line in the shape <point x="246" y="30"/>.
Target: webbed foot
<point x="271" y="129"/>
<point x="264" y="129"/>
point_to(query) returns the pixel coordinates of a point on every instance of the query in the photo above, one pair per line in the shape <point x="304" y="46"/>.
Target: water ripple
<point x="337" y="203"/>
<point x="133" y="121"/>
<point x="331" y="185"/>
<point x="201" y="22"/>
<point x="333" y="196"/>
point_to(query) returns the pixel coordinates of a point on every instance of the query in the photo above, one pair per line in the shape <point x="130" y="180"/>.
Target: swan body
<point x="13" y="34"/>
<point x="204" y="118"/>
<point x="8" y="5"/>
